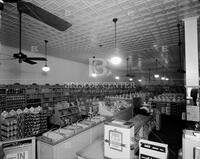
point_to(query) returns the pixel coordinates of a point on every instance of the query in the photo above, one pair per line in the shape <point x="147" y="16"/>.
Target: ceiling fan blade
<point x="43" y="16"/>
<point x="10" y="1"/>
<point x="37" y="58"/>
<point x="29" y="61"/>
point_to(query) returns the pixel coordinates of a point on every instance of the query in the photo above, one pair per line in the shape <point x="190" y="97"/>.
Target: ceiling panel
<point x="144" y="27"/>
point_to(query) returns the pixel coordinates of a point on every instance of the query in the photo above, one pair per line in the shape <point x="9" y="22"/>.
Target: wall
<point x="61" y="70"/>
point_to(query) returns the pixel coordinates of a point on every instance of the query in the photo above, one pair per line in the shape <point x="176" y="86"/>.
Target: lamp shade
<point x="116" y="60"/>
<point x="46" y="68"/>
<point x="94" y="75"/>
<point x="163" y="78"/>
<point x="117" y="77"/>
<point x="156" y="75"/>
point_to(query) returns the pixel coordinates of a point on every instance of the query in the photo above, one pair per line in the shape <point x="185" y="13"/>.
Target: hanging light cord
<point x="20" y="32"/>
<point x="156" y="66"/>
<point x="115" y="21"/>
<point x="115" y="35"/>
<point x="46" y="41"/>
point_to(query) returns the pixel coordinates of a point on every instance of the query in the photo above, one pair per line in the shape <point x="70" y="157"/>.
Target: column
<point x="191" y="53"/>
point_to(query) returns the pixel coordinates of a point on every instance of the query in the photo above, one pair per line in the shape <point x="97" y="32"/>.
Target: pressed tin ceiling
<point x="146" y="30"/>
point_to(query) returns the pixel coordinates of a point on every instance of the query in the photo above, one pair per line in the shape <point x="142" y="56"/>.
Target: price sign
<point x="18" y="155"/>
<point x="115" y="140"/>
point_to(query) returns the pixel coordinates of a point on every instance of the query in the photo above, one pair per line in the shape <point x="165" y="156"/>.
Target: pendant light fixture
<point x="116" y="60"/>
<point x="156" y="75"/>
<point x="46" y="68"/>
<point x="94" y="74"/>
<point x="117" y="77"/>
<point x="130" y="79"/>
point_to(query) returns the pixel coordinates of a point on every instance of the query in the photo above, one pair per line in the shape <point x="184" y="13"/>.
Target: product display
<point x="21" y="124"/>
<point x="170" y="104"/>
<point x="88" y="107"/>
<point x="65" y="113"/>
<point x="71" y="129"/>
<point x="110" y="107"/>
<point x="13" y="97"/>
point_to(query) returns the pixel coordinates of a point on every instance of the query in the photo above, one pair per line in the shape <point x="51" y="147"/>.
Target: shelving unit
<point x="19" y="96"/>
<point x="65" y="115"/>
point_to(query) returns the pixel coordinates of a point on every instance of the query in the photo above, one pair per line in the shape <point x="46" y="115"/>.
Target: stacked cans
<point x="20" y="124"/>
<point x="35" y="116"/>
<point x="43" y="121"/>
<point x="28" y="123"/>
<point x="8" y="126"/>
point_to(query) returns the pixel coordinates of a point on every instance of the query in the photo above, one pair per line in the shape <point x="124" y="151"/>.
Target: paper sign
<point x="152" y="150"/>
<point x="115" y="140"/>
<point x="18" y="155"/>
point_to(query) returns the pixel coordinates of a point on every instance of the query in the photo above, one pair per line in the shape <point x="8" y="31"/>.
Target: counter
<point x="142" y="127"/>
<point x="94" y="151"/>
<point x="67" y="147"/>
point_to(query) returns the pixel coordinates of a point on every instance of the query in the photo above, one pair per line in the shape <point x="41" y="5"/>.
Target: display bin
<point x="20" y="149"/>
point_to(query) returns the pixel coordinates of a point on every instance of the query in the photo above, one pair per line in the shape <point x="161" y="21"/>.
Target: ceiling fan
<point x="41" y="15"/>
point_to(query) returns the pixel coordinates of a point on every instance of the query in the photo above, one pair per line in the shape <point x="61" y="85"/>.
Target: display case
<point x="68" y="140"/>
<point x="65" y="114"/>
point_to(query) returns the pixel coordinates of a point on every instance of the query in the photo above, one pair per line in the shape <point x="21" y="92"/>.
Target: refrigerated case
<point x="119" y="139"/>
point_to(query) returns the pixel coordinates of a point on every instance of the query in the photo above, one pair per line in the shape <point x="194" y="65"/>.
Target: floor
<point x="170" y="133"/>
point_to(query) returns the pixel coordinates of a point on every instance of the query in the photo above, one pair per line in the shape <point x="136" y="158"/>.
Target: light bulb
<point x="163" y="78"/>
<point x="116" y="60"/>
<point x="117" y="77"/>
<point x="94" y="75"/>
<point x="46" y="68"/>
<point x="139" y="80"/>
<point x="156" y="75"/>
<point x="167" y="79"/>
<point x="130" y="79"/>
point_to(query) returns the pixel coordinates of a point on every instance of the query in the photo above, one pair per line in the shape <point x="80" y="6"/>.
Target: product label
<point x="18" y="155"/>
<point x="147" y="157"/>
